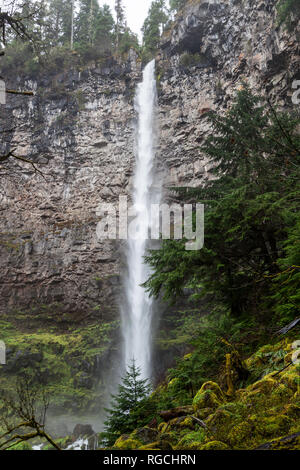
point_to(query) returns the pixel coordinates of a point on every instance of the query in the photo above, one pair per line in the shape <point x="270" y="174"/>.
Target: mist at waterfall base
<point x="137" y="309"/>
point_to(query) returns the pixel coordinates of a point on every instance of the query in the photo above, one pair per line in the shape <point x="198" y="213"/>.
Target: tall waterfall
<point x="137" y="310"/>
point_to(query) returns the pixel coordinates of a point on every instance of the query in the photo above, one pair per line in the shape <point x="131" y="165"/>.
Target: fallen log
<point x="17" y="92"/>
<point x="176" y="412"/>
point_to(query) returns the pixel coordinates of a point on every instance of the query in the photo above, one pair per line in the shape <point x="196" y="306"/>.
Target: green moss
<point x="63" y="361"/>
<point x="22" y="446"/>
<point x="151" y="446"/>
<point x="205" y="399"/>
<point x="273" y="426"/>
<point x="214" y="388"/>
<point x="240" y="434"/>
<point x="181" y="423"/>
<point x="215" y="445"/>
<point x="192" y="440"/>
<point x="128" y="444"/>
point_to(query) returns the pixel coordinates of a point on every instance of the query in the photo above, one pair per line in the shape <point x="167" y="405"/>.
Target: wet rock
<point x="82" y="430"/>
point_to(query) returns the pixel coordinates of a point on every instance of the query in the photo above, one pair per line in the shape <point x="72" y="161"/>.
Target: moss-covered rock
<point x="127" y="444"/>
<point x="220" y="422"/>
<point x="151" y="446"/>
<point x="214" y="387"/>
<point x="291" y="442"/>
<point x="240" y="434"/>
<point x="184" y="422"/>
<point x="206" y="398"/>
<point x="214" y="445"/>
<point x="144" y="435"/>
<point x="192" y="440"/>
<point x="273" y="426"/>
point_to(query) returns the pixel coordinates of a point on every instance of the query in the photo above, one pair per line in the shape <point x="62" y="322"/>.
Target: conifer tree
<point x="120" y="23"/>
<point x="153" y="25"/>
<point x="250" y="211"/>
<point x="59" y="22"/>
<point x="124" y="415"/>
<point x="94" y="25"/>
<point x="177" y="5"/>
<point x="288" y="12"/>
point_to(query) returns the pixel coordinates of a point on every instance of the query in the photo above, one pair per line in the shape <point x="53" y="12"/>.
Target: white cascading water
<point x="137" y="310"/>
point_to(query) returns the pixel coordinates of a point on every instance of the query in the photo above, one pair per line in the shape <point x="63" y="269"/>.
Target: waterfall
<point x="137" y="310"/>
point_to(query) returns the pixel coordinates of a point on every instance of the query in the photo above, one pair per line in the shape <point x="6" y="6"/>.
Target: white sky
<point x="135" y="10"/>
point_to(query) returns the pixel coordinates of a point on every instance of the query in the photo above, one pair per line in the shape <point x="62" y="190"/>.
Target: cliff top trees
<point x="120" y="23"/>
<point x="153" y="25"/>
<point x="94" y="26"/>
<point x="59" y="22"/>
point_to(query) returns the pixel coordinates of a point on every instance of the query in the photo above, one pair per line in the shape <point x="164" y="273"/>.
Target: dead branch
<point x="17" y="92"/>
<point x="30" y="406"/>
<point x="3" y="158"/>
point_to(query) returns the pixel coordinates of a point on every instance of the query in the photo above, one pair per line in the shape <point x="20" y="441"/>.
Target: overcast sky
<point x="136" y="12"/>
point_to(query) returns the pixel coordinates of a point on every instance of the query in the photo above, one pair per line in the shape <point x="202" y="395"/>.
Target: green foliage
<point x="189" y="60"/>
<point x="127" y="406"/>
<point x="58" y="22"/>
<point x="127" y="41"/>
<point x="63" y="362"/>
<point x="287" y="282"/>
<point x="94" y="26"/>
<point x="177" y="5"/>
<point x="288" y="12"/>
<point x="49" y="24"/>
<point x="153" y="25"/>
<point x="252" y="200"/>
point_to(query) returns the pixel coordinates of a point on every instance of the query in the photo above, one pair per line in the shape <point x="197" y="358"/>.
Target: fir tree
<point x="126" y="411"/>
<point x="120" y="23"/>
<point x="94" y="26"/>
<point x="153" y="25"/>
<point x="177" y="5"/>
<point x="288" y="12"/>
<point x="250" y="208"/>
<point x="59" y="22"/>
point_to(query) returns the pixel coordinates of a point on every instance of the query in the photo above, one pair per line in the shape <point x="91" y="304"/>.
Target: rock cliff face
<point x="80" y="128"/>
<point x="212" y="47"/>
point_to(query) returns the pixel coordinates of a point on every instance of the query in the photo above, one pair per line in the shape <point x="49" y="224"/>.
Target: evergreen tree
<point x="94" y="26"/>
<point x="59" y="22"/>
<point x="288" y="12"/>
<point x="177" y="5"/>
<point x="153" y="25"/>
<point x="250" y="207"/>
<point x="120" y="23"/>
<point x="85" y="22"/>
<point x="104" y="27"/>
<point x="126" y="411"/>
